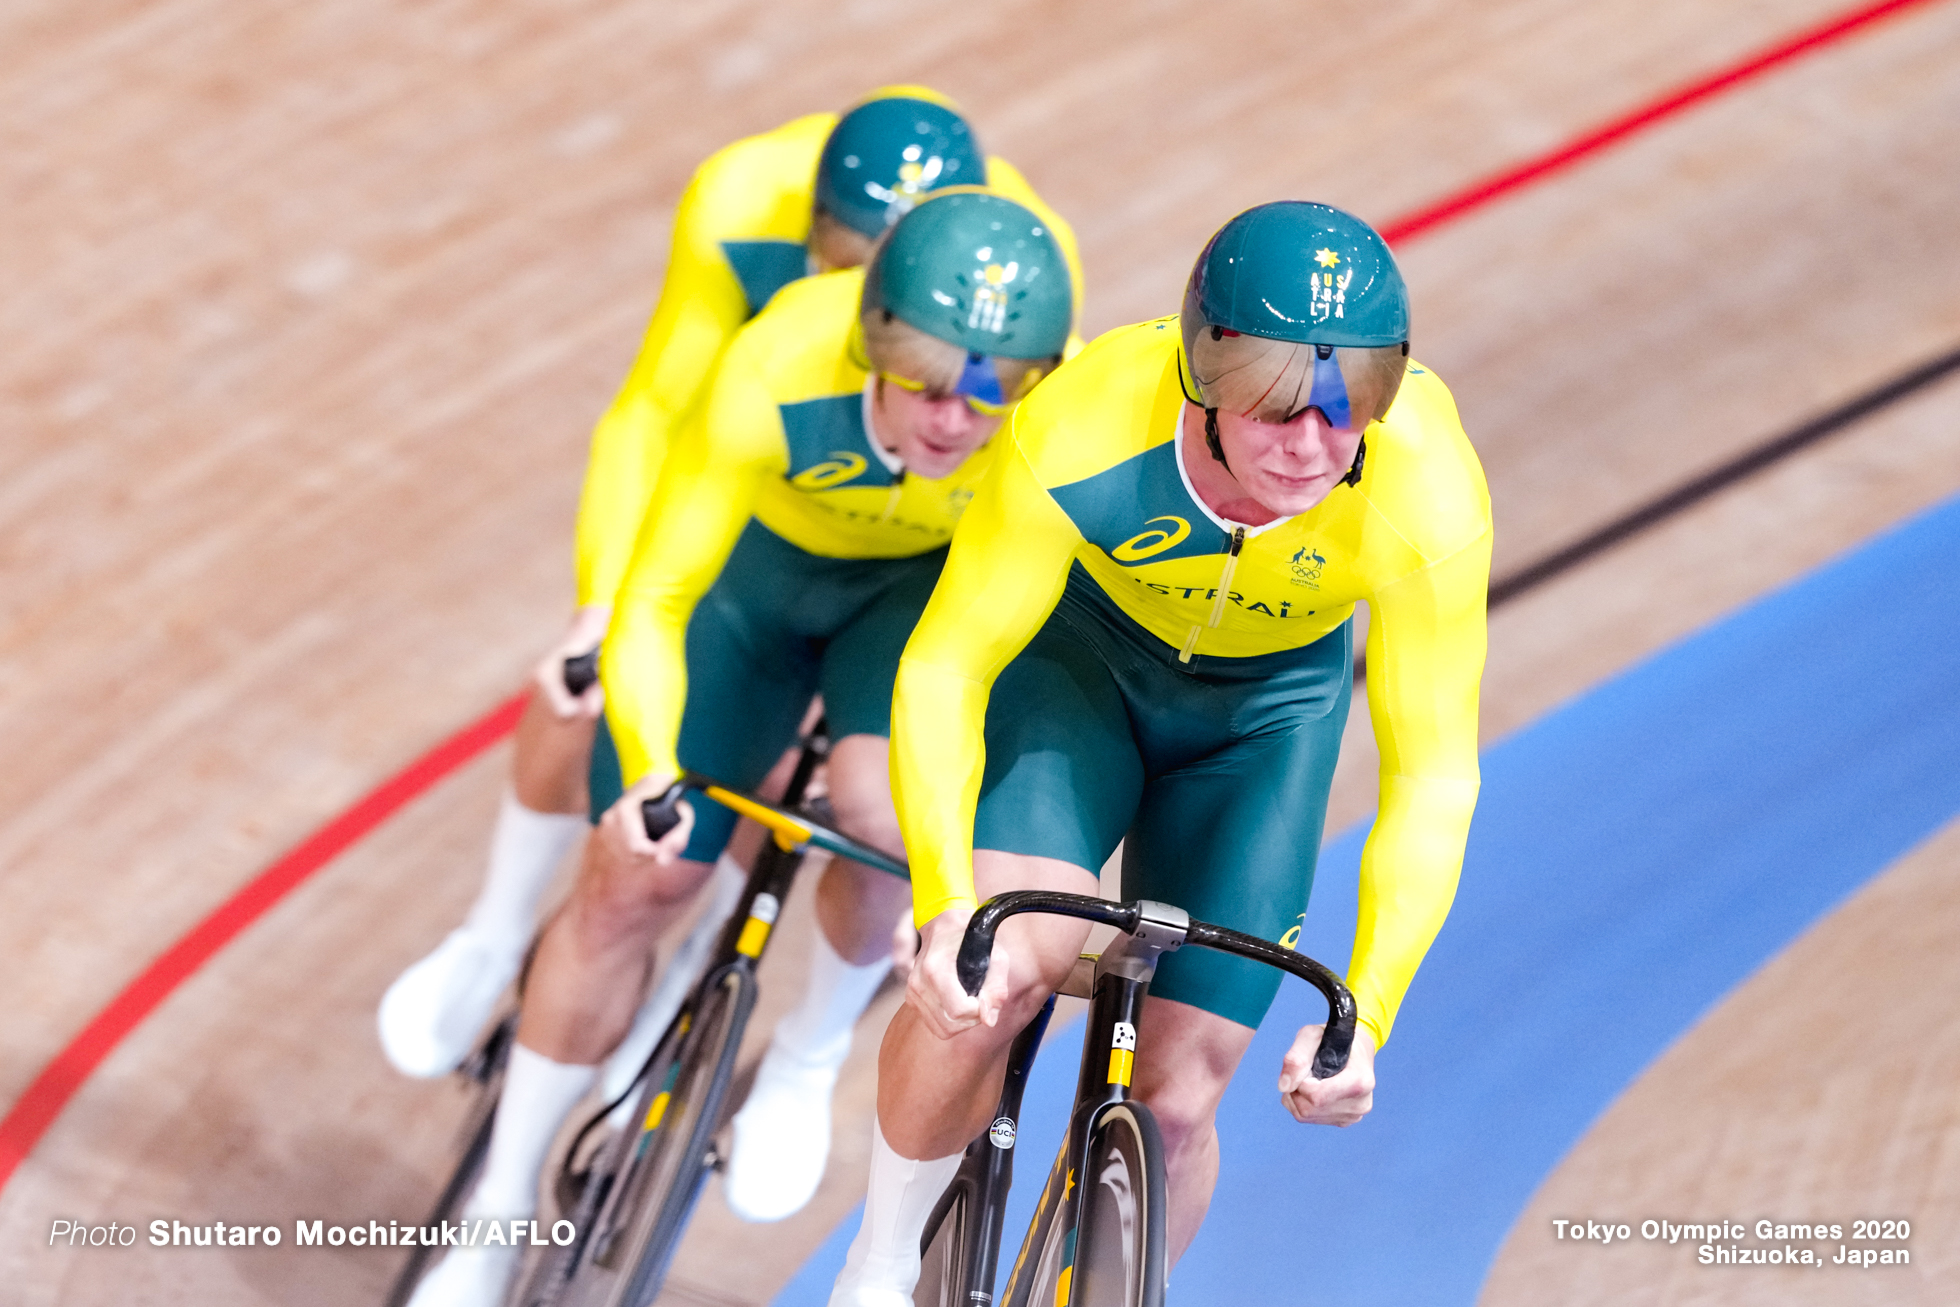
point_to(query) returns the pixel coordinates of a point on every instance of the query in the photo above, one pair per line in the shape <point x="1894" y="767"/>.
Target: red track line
<point x="43" y="1100"/>
<point x="57" y="1083"/>
<point x="1480" y="193"/>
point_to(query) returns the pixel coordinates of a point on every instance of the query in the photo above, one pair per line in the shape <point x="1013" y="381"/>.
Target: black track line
<point x="1673" y="502"/>
<point x="1749" y="462"/>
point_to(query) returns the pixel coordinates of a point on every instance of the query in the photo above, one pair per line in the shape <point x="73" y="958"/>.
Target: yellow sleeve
<point x="721" y="456"/>
<point x="701" y="305"/>
<point x="1426" y="643"/>
<point x="1004" y="574"/>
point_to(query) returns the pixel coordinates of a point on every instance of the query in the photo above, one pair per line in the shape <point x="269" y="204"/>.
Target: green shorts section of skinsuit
<point x="777" y="627"/>
<point x="1216" y="771"/>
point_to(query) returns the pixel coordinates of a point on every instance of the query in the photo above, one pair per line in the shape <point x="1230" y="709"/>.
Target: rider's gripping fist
<point x="1340" y="1099"/>
<point x="622" y="832"/>
<point x="587" y="630"/>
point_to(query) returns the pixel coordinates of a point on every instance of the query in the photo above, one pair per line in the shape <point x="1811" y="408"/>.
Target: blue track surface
<point x="1636" y="855"/>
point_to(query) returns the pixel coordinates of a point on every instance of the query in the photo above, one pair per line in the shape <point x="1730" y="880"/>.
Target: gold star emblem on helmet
<point x="1326" y="258"/>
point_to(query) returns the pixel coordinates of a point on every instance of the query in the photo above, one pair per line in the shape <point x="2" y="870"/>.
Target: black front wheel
<point x="1120" y="1247"/>
<point x="659" y="1197"/>
<point x="486" y="1068"/>
<point x="945" y="1253"/>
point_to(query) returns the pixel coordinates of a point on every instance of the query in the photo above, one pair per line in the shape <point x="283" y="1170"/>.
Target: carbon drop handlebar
<point x="976" y="951"/>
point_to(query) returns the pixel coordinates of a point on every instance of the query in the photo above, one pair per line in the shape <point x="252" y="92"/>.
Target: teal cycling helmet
<point x="889" y="152"/>
<point x="978" y="271"/>
<point x="1293" y="306"/>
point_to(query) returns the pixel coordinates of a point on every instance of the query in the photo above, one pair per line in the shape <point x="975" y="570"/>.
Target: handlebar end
<point x="976" y="952"/>
<point x="1331" y="1058"/>
<point x="661" y="815"/>
<point x="581" y="672"/>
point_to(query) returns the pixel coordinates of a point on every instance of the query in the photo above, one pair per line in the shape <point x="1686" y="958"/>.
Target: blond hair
<point x="834" y="243"/>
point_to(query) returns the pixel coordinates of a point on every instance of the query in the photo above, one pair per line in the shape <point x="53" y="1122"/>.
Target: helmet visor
<point x="922" y="363"/>
<point x="991" y="386"/>
<point x="1277" y="380"/>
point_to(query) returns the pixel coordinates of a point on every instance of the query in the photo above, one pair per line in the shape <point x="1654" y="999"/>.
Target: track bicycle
<point x="483" y="1071"/>
<point x="1097" y="1238"/>
<point x="695" y="1073"/>
<point x="629" y="1196"/>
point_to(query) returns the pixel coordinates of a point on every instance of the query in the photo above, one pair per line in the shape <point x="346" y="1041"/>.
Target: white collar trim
<point x="893" y="463"/>
<point x="1225" y="524"/>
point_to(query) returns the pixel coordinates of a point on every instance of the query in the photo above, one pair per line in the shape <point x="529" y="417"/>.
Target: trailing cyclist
<point x="798" y="528"/>
<point x="809" y="196"/>
<point x="1142" y="633"/>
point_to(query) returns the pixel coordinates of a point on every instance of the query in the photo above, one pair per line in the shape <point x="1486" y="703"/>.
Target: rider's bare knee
<point x="613" y="899"/>
<point x="1186" y="1109"/>
<point x="1187" y="1057"/>
<point x="860" y="792"/>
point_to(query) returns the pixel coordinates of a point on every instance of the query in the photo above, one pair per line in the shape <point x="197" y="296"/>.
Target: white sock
<point x="885" y="1254"/>
<point x="818" y="1031"/>
<point x="675" y="979"/>
<point x="525" y="850"/>
<point x="537" y="1095"/>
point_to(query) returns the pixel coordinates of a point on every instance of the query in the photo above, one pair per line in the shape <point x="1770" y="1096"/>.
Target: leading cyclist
<point x="1142" y="634"/>
<point x="809" y="196"/>
<point x="797" y="531"/>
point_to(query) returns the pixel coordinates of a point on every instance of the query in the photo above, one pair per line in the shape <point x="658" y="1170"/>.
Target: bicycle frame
<point x="987" y="1171"/>
<point x="635" y="1157"/>
<point x="1121" y="982"/>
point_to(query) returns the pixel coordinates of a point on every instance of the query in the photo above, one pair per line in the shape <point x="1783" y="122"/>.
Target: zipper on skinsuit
<point x="1224" y="593"/>
<point x="892" y="497"/>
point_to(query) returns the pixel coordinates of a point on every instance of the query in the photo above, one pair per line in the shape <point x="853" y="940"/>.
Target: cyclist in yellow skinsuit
<point x="1142" y="634"/>
<point x="810" y="195"/>
<point x="800" y="523"/>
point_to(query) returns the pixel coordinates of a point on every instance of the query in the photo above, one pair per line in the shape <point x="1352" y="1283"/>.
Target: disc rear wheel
<point x="1119" y="1252"/>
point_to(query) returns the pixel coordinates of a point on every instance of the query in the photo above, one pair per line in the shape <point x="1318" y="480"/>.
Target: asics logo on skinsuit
<point x="841" y="468"/>
<point x="1147" y="543"/>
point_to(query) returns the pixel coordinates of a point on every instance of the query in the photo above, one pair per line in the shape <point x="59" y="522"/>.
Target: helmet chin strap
<point x="1353" y="477"/>
<point x="1211" y="439"/>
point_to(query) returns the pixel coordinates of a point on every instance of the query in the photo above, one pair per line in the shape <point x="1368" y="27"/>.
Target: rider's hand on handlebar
<point x="934" y="987"/>
<point x="624" y="831"/>
<point x="587" y="629"/>
<point x="1338" y="1100"/>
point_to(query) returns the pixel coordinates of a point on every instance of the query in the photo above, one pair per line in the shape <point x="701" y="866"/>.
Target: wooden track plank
<point x="1821" y="1091"/>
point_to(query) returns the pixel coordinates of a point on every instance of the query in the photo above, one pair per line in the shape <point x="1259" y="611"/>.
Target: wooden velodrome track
<point x="308" y="312"/>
